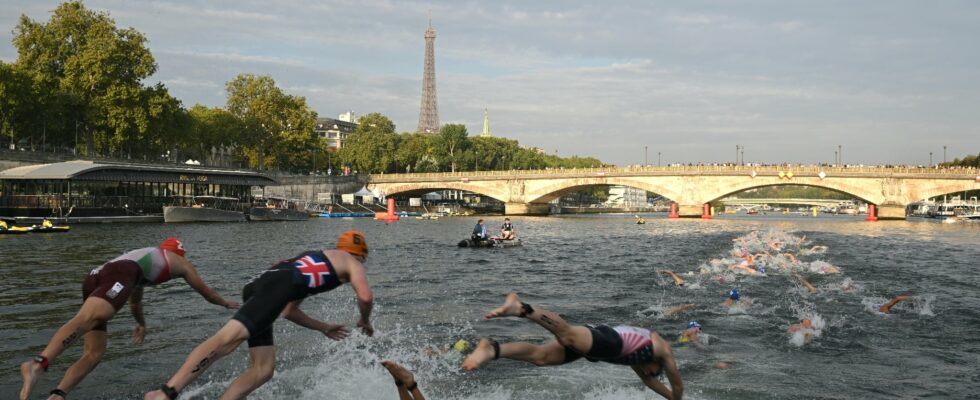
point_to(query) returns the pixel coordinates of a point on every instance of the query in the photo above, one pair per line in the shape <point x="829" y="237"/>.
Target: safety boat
<point x="492" y="242"/>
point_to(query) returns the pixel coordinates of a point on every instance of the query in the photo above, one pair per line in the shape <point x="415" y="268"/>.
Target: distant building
<point x="335" y="131"/>
<point x="626" y="197"/>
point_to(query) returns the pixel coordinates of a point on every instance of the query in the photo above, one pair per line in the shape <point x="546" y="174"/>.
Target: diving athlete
<point x="104" y="292"/>
<point x="279" y="290"/>
<point x="643" y="350"/>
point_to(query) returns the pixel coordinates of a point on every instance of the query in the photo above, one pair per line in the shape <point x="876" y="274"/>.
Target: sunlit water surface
<point x="591" y="269"/>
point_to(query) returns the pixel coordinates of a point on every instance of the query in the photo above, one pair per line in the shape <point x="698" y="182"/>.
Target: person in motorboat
<point x="105" y="290"/>
<point x="648" y="354"/>
<point x="479" y="232"/>
<point x="507" y="231"/>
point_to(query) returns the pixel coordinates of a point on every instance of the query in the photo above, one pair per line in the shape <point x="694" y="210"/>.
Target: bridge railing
<point x="686" y="169"/>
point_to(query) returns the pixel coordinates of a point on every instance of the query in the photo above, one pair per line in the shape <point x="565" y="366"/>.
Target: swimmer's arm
<point x="365" y="299"/>
<point x="298" y="317"/>
<point x="136" y="305"/>
<point x="653" y="383"/>
<point x="209" y="294"/>
<point x="673" y="374"/>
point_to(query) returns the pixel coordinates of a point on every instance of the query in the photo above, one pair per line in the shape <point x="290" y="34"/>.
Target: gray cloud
<point x="890" y="81"/>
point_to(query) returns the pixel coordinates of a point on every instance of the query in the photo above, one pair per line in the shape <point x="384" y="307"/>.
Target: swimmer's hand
<point x="139" y="333"/>
<point x="366" y="327"/>
<point x="232" y="305"/>
<point x="335" y="332"/>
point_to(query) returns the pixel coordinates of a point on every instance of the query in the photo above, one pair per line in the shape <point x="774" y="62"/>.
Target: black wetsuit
<point x="268" y="294"/>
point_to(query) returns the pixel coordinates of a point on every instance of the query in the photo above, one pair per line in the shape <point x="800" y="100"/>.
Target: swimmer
<point x="277" y="291"/>
<point x="644" y="351"/>
<point x="806" y="284"/>
<point x="745" y="265"/>
<point x="691" y="335"/>
<point x="677" y="280"/>
<point x="104" y="291"/>
<point x="734" y="298"/>
<point x="678" y="309"/>
<point x="887" y="307"/>
<point x="791" y="257"/>
<point x="408" y="388"/>
<point x="805" y="328"/>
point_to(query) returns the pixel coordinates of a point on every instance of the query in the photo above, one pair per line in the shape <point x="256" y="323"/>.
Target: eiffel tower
<point x="429" y="110"/>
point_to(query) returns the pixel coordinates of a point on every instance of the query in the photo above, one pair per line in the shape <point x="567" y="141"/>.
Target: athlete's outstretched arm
<point x="298" y="317"/>
<point x="886" y="308"/>
<point x="136" y="307"/>
<point x="365" y="299"/>
<point x="195" y="282"/>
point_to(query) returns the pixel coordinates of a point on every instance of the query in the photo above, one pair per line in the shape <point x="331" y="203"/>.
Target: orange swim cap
<point x="353" y="242"/>
<point x="174" y="245"/>
<point x="806" y="323"/>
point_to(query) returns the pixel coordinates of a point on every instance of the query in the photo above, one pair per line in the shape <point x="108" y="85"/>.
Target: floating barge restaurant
<point x="103" y="191"/>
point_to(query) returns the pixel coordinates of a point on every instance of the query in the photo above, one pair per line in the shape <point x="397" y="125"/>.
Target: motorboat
<point x="491" y="242"/>
<point x="205" y="209"/>
<point x="278" y="209"/>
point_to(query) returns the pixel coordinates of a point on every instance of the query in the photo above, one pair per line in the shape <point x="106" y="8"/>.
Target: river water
<point x="591" y="269"/>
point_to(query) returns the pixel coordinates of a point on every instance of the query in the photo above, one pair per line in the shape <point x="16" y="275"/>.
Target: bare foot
<point x="29" y="370"/>
<point x="482" y="355"/>
<point x="399" y="373"/>
<point x="511" y="308"/>
<point x="156" y="395"/>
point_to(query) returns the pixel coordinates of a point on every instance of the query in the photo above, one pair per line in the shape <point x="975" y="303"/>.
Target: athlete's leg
<point x="407" y="386"/>
<point x="95" y="345"/>
<point x="575" y="336"/>
<point x="551" y="353"/>
<point x="94" y="311"/>
<point x="203" y="356"/>
<point x="263" y="365"/>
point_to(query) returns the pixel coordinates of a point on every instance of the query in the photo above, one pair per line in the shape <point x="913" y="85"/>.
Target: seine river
<point x="591" y="269"/>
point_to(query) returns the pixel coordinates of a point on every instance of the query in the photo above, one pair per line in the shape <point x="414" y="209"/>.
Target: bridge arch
<point x="554" y="190"/>
<point x="833" y="189"/>
<point x="861" y="192"/>
<point x="421" y="188"/>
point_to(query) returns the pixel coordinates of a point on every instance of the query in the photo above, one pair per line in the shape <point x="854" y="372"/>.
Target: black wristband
<point x="169" y="391"/>
<point x="496" y="349"/>
<point x="58" y="392"/>
<point x="412" y="387"/>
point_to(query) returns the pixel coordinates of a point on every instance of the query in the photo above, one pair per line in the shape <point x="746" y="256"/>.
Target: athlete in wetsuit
<point x="644" y="351"/>
<point x="104" y="291"/>
<point x="279" y="291"/>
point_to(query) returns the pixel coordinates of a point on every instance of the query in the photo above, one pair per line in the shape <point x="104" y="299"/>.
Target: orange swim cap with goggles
<point x="174" y="245"/>
<point x="353" y="242"/>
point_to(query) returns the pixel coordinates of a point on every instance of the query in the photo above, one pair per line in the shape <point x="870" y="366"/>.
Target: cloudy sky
<point x="889" y="81"/>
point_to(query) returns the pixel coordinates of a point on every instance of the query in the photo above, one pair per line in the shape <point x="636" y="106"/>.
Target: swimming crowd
<point x="281" y="289"/>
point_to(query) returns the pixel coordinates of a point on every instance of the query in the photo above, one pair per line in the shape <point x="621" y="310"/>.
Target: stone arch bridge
<point x="527" y="192"/>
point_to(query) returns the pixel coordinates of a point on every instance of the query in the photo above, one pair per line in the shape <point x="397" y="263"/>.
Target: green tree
<point x="416" y="153"/>
<point x="451" y="143"/>
<point x="275" y="123"/>
<point x="15" y="100"/>
<point x="80" y="61"/>
<point x="371" y="148"/>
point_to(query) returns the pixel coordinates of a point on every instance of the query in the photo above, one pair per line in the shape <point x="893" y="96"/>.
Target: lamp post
<point x="835" y="158"/>
<point x="944" y="154"/>
<point x="737" y="147"/>
<point x="658" y="158"/>
<point x="930" y="159"/>
<point x="743" y="156"/>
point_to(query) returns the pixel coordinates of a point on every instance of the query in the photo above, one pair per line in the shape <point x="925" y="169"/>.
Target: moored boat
<point x="205" y="209"/>
<point x="279" y="209"/>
